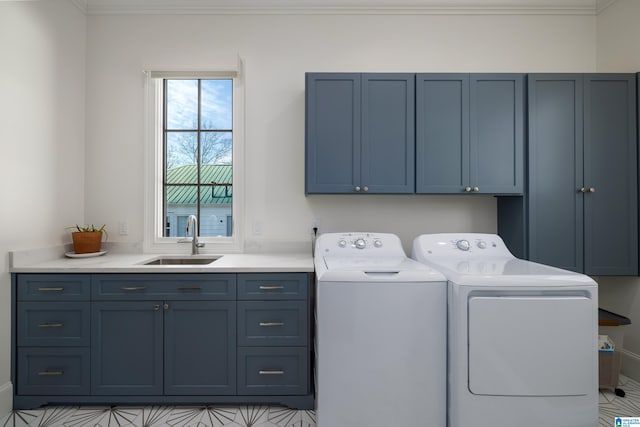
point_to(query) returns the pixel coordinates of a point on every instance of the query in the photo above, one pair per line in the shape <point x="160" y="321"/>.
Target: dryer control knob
<point x="482" y="244"/>
<point x="377" y="243"/>
<point x="463" y="245"/>
<point x="360" y="244"/>
<point x="342" y="243"/>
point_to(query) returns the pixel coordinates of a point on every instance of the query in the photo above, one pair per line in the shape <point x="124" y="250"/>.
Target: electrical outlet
<point x="257" y="228"/>
<point x="124" y="228"/>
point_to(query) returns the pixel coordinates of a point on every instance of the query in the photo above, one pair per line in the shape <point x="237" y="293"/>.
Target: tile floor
<point x="611" y="406"/>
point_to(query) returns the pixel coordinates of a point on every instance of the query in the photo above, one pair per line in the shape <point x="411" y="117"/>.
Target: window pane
<point x="216" y="148"/>
<point x="182" y="104"/>
<point x="182" y="157"/>
<point x="181" y="202"/>
<point x="217" y="103"/>
<point x="215" y="202"/>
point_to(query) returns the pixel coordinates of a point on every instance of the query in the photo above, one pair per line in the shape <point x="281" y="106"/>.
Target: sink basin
<point x="192" y="260"/>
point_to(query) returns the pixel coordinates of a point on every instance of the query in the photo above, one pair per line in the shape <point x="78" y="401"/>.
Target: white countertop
<point x="54" y="261"/>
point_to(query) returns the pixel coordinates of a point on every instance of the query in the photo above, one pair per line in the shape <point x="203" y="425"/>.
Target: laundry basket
<point x="609" y="362"/>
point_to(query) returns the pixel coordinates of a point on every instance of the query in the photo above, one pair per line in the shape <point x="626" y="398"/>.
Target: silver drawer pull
<point x="50" y="373"/>
<point x="133" y="288"/>
<point x="271" y="323"/>
<point x="189" y="288"/>
<point x="270" y="288"/>
<point x="271" y="372"/>
<point x="50" y="289"/>
<point x="50" y="325"/>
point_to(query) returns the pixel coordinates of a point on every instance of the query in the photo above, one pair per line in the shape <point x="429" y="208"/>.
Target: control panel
<point x="358" y="243"/>
<point x="462" y="245"/>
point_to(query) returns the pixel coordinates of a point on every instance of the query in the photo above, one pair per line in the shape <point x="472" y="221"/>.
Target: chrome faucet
<point x="192" y="226"/>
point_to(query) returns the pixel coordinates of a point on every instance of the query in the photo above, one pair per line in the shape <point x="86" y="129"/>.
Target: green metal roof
<point x="209" y="174"/>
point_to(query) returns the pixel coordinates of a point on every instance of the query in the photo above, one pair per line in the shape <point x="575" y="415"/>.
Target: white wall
<point x="42" y="108"/>
<point x="42" y="116"/>
<point x="278" y="50"/>
<point x="618" y="50"/>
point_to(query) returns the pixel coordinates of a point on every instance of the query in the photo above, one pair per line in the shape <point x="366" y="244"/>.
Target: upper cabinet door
<point x="470" y="133"/>
<point x="610" y="174"/>
<point x="555" y="170"/>
<point x="496" y="133"/>
<point x="442" y="133"/>
<point x="332" y="132"/>
<point x="388" y="136"/>
<point x="360" y="134"/>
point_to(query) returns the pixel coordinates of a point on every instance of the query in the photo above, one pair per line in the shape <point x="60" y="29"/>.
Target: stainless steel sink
<point x="172" y="260"/>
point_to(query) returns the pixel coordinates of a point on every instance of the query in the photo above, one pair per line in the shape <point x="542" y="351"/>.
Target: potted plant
<point x="87" y="239"/>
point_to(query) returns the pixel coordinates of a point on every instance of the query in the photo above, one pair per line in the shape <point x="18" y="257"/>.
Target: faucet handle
<point x="200" y="245"/>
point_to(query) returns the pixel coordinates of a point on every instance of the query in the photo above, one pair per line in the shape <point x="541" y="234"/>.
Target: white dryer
<point x="380" y="334"/>
<point x="522" y="336"/>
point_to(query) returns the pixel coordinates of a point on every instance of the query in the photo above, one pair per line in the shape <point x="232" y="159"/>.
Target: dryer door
<point x="532" y="346"/>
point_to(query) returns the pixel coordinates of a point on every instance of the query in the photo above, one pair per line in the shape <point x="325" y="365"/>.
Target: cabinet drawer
<point x="60" y="324"/>
<point x="53" y="371"/>
<point x="277" y="286"/>
<point x="159" y="286"/>
<point x="53" y="287"/>
<point x="272" y="323"/>
<point x="273" y="371"/>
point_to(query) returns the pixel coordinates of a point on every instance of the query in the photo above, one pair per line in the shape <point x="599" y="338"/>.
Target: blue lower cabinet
<point x="161" y="339"/>
<point x="199" y="348"/>
<point x="53" y="371"/>
<point x="126" y="348"/>
<point x="273" y="370"/>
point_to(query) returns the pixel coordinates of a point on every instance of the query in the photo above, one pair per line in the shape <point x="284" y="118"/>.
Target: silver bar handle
<point x="270" y="288"/>
<point x="50" y="373"/>
<point x="267" y="324"/>
<point x="271" y="372"/>
<point x="50" y="325"/>
<point x="133" y="288"/>
<point x="51" y="289"/>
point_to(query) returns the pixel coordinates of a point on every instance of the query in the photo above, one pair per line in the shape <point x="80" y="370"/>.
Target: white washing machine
<point x="522" y="336"/>
<point x="380" y="334"/>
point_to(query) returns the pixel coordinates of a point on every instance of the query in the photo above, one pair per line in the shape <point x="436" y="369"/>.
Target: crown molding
<point x="376" y="7"/>
<point x="343" y="7"/>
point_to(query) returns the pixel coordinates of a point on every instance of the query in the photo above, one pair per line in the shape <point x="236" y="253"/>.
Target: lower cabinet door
<point x="126" y="348"/>
<point x="200" y="348"/>
<point x="273" y="370"/>
<point x="53" y="371"/>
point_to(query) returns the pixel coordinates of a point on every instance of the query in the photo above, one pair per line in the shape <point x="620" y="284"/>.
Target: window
<point x="197" y="155"/>
<point x="194" y="149"/>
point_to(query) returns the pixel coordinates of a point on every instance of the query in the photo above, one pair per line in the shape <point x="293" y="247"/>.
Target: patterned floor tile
<point x="611" y="406"/>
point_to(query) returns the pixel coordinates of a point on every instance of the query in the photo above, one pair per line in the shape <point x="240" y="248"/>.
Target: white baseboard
<point x="630" y="365"/>
<point x="6" y="399"/>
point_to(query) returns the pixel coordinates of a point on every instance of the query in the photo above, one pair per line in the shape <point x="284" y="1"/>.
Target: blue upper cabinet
<point x="360" y="133"/>
<point x="470" y="133"/>
<point x="580" y="210"/>
<point x="610" y="174"/>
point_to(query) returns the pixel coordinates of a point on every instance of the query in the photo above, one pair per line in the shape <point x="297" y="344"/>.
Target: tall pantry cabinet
<point x="580" y="211"/>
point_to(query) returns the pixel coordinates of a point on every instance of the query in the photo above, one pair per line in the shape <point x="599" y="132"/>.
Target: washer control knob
<point x="360" y="243"/>
<point x="482" y="244"/>
<point x="463" y="245"/>
<point x="342" y="243"/>
<point x="377" y="243"/>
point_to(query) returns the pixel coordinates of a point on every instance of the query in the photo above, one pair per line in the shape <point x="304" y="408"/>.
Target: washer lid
<point x="363" y="268"/>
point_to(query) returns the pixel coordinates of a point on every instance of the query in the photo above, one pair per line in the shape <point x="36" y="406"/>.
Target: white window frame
<point x="154" y="221"/>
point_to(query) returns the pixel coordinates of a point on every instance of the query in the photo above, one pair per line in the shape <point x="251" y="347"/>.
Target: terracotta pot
<point x="85" y="242"/>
